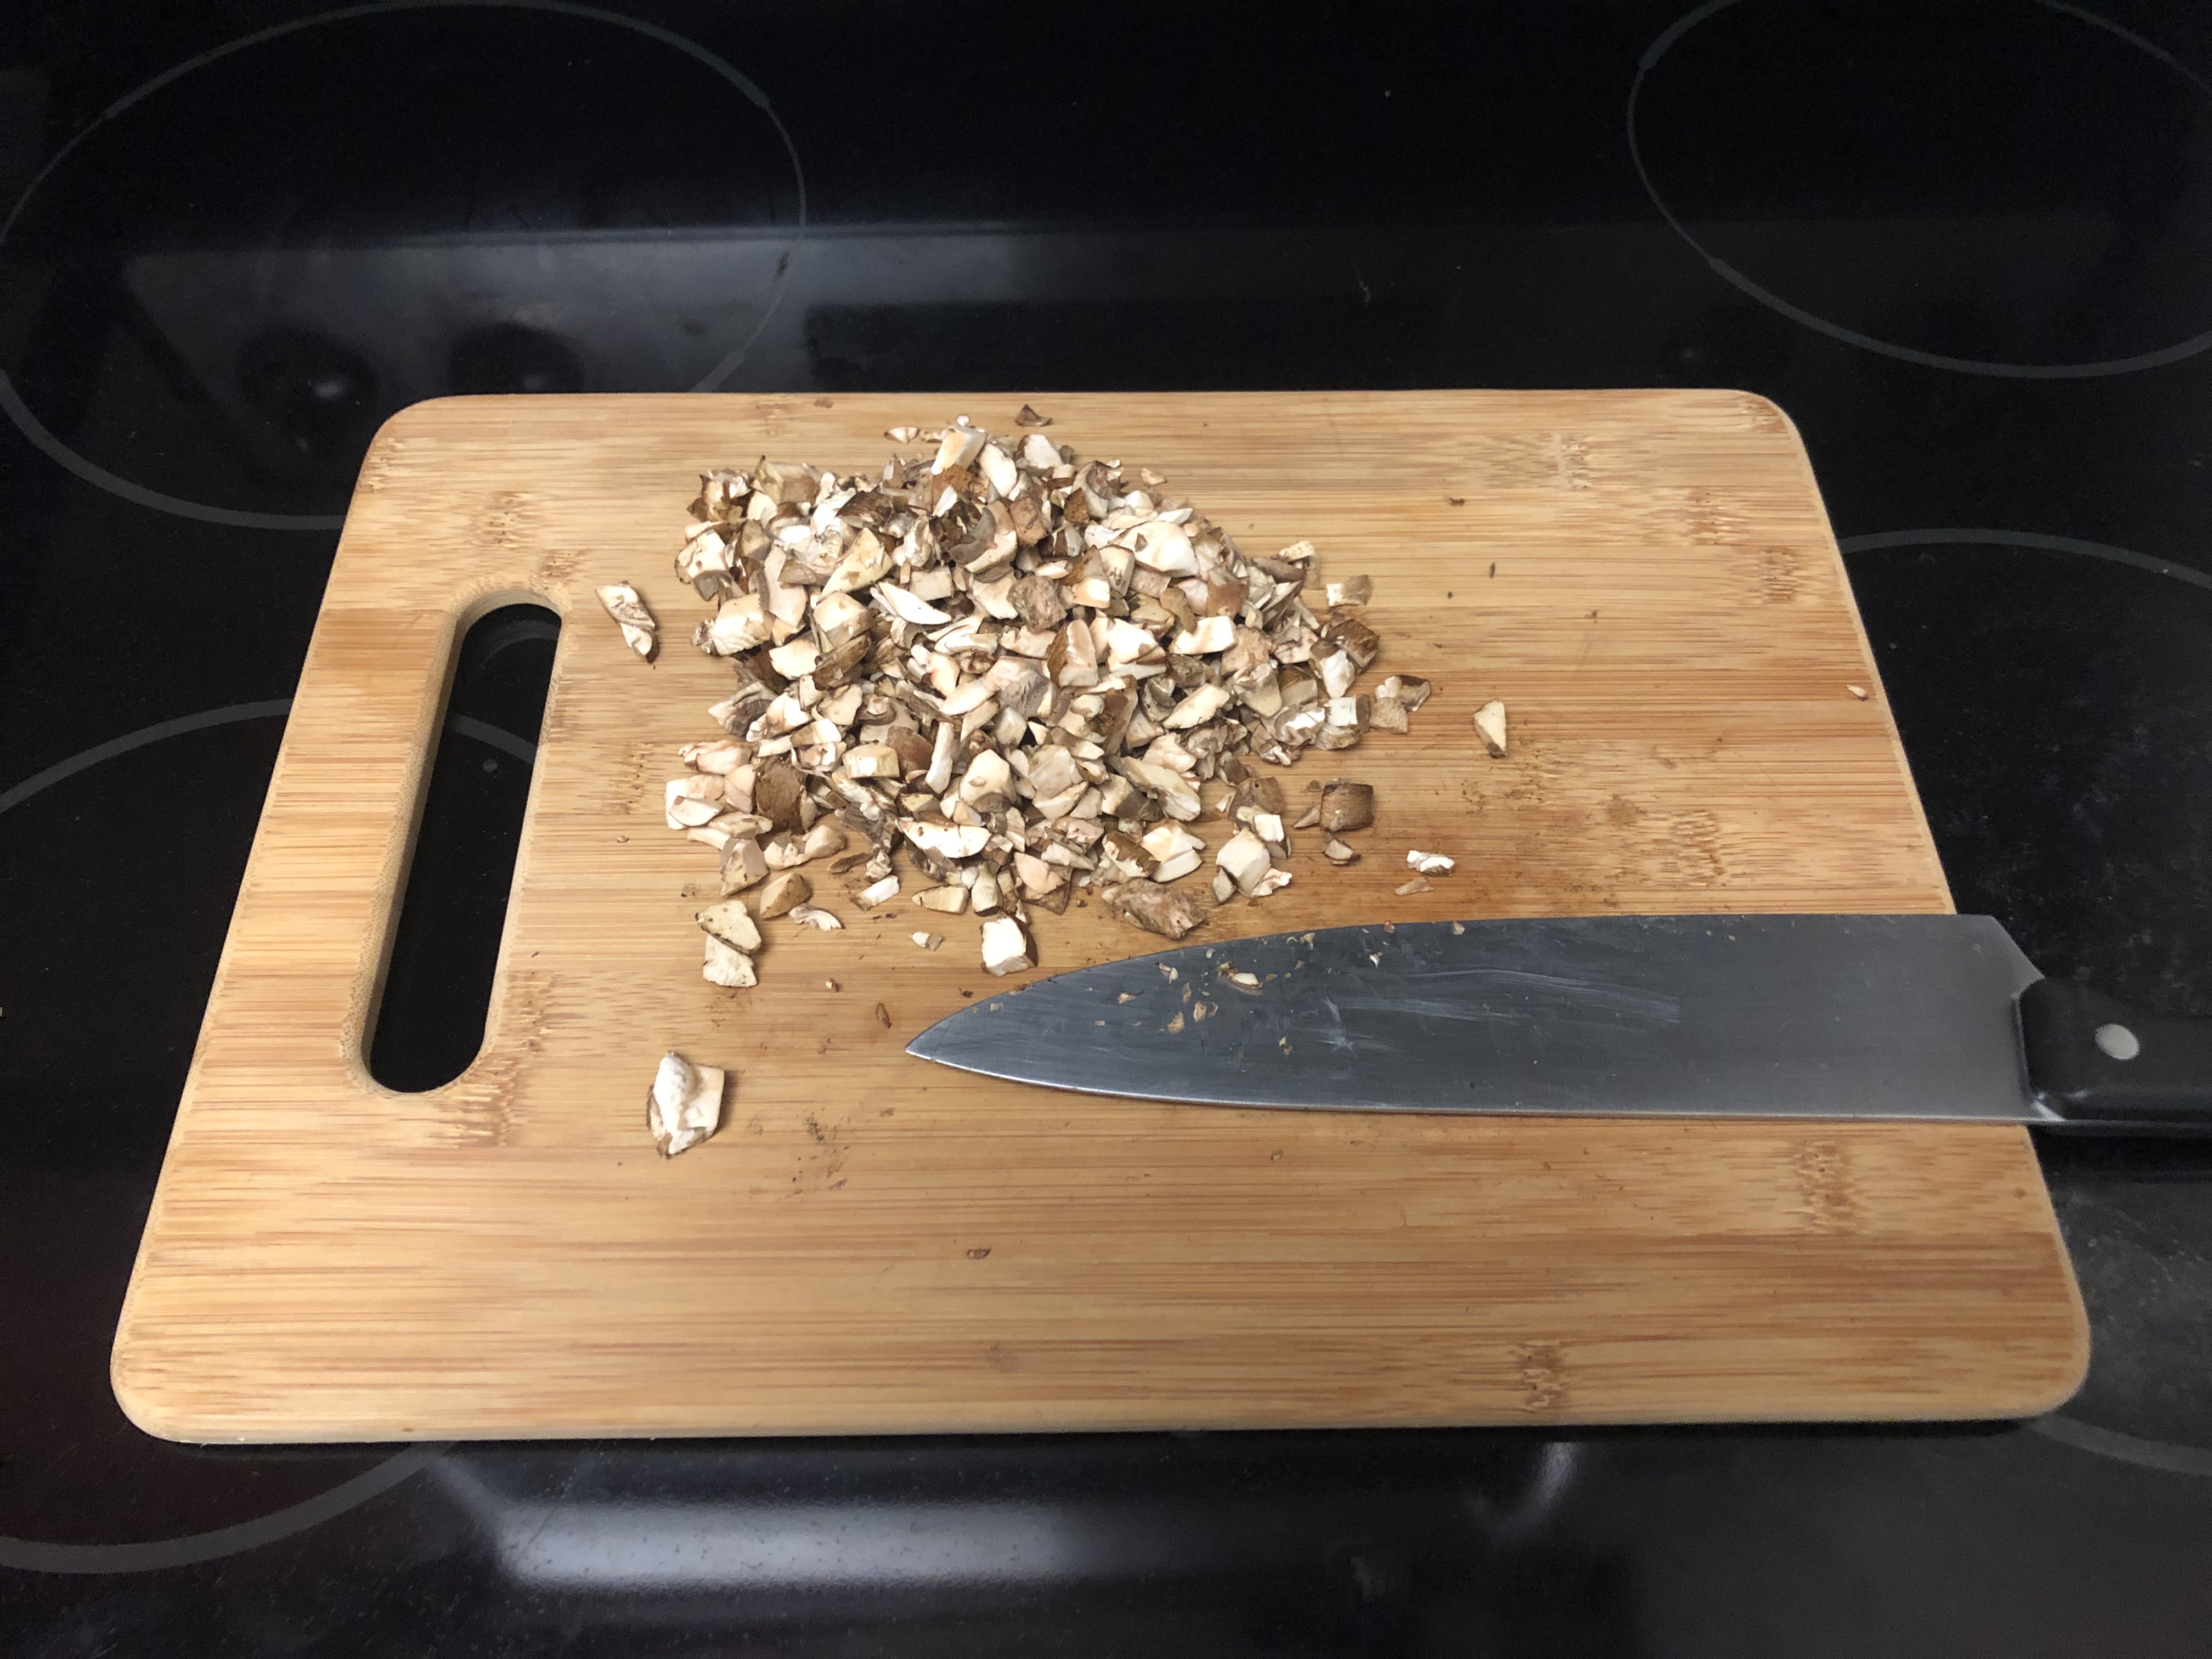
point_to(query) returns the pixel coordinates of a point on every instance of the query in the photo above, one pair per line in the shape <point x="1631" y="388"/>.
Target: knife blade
<point x="1900" y="1016"/>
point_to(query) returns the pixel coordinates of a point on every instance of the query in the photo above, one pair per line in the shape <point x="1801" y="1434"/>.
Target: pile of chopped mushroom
<point x="1025" y="673"/>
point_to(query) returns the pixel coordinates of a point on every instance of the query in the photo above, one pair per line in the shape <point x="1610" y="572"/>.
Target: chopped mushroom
<point x="1418" y="885"/>
<point x="683" y="1107"/>
<point x="728" y="966"/>
<point x="1345" y="805"/>
<point x="744" y="865"/>
<point x="1155" y="909"/>
<point x="1337" y="852"/>
<point x="1005" y="947"/>
<point x="808" y="915"/>
<point x="639" y="631"/>
<point x="732" y="923"/>
<point x="1429" y="864"/>
<point x="1403" y="690"/>
<point x="1490" y="721"/>
<point x="928" y="941"/>
<point x="785" y="892"/>
<point x="1244" y="858"/>
<point x="1017" y="675"/>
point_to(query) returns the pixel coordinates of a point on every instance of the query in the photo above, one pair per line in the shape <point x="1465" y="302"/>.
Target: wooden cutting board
<point x="873" y="1244"/>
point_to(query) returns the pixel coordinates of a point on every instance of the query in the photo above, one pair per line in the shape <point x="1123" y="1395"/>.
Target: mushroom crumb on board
<point x="1006" y="946"/>
<point x="638" y="630"/>
<point x="683" y="1107"/>
<point x="1015" y="674"/>
<point x="1490" y="724"/>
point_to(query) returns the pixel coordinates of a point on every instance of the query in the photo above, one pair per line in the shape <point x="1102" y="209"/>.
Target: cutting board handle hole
<point x="430" y="1018"/>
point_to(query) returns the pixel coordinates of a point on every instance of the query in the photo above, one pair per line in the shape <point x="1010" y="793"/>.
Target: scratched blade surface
<point x="1819" y="1016"/>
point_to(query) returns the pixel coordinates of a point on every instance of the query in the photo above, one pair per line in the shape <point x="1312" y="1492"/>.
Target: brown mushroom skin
<point x="1346" y="805"/>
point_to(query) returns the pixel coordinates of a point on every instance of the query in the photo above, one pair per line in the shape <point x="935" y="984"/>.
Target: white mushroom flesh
<point x="639" y="631"/>
<point x="1489" y="723"/>
<point x="683" y="1107"/>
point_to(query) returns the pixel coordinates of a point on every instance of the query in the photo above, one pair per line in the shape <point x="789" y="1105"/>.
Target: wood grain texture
<point x="873" y="1244"/>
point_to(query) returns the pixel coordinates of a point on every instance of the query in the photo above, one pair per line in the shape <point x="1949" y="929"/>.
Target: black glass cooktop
<point x="1967" y="246"/>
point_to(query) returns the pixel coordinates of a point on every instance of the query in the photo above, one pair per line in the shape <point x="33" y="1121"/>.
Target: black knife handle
<point x="2103" y="1067"/>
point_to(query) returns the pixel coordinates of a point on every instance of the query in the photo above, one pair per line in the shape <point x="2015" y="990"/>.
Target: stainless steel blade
<point x="1761" y="1016"/>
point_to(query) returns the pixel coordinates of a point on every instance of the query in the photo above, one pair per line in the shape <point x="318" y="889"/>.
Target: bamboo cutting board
<point x="873" y="1244"/>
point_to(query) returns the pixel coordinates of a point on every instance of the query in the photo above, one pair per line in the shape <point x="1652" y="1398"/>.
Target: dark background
<point x="1966" y="246"/>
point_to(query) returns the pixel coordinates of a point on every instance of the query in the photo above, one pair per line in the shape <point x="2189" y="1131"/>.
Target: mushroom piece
<point x="1155" y="909"/>
<point x="725" y="965"/>
<point x="1404" y="689"/>
<point x="1345" y="720"/>
<point x="1005" y="947"/>
<point x="959" y="447"/>
<point x="720" y="758"/>
<point x="1337" y="852"/>
<point x="1490" y="722"/>
<point x="694" y="800"/>
<point x="1418" y="885"/>
<point x="739" y="624"/>
<point x="1029" y="418"/>
<point x="683" y="1107"/>
<point x="785" y="892"/>
<point x="881" y="892"/>
<point x="1346" y="805"/>
<point x="988" y="782"/>
<point x="638" y="630"/>
<point x="732" y="923"/>
<point x="1244" y="858"/>
<point x="928" y="941"/>
<point x="865" y="562"/>
<point x="808" y="915"/>
<point x="743" y="864"/>
<point x="1207" y="636"/>
<point x="1429" y="864"/>
<point x="1174" y="849"/>
<point x="873" y="760"/>
<point x="1338" y="671"/>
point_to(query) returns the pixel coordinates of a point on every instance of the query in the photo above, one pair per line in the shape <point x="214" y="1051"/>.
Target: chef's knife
<point x="1706" y="1016"/>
